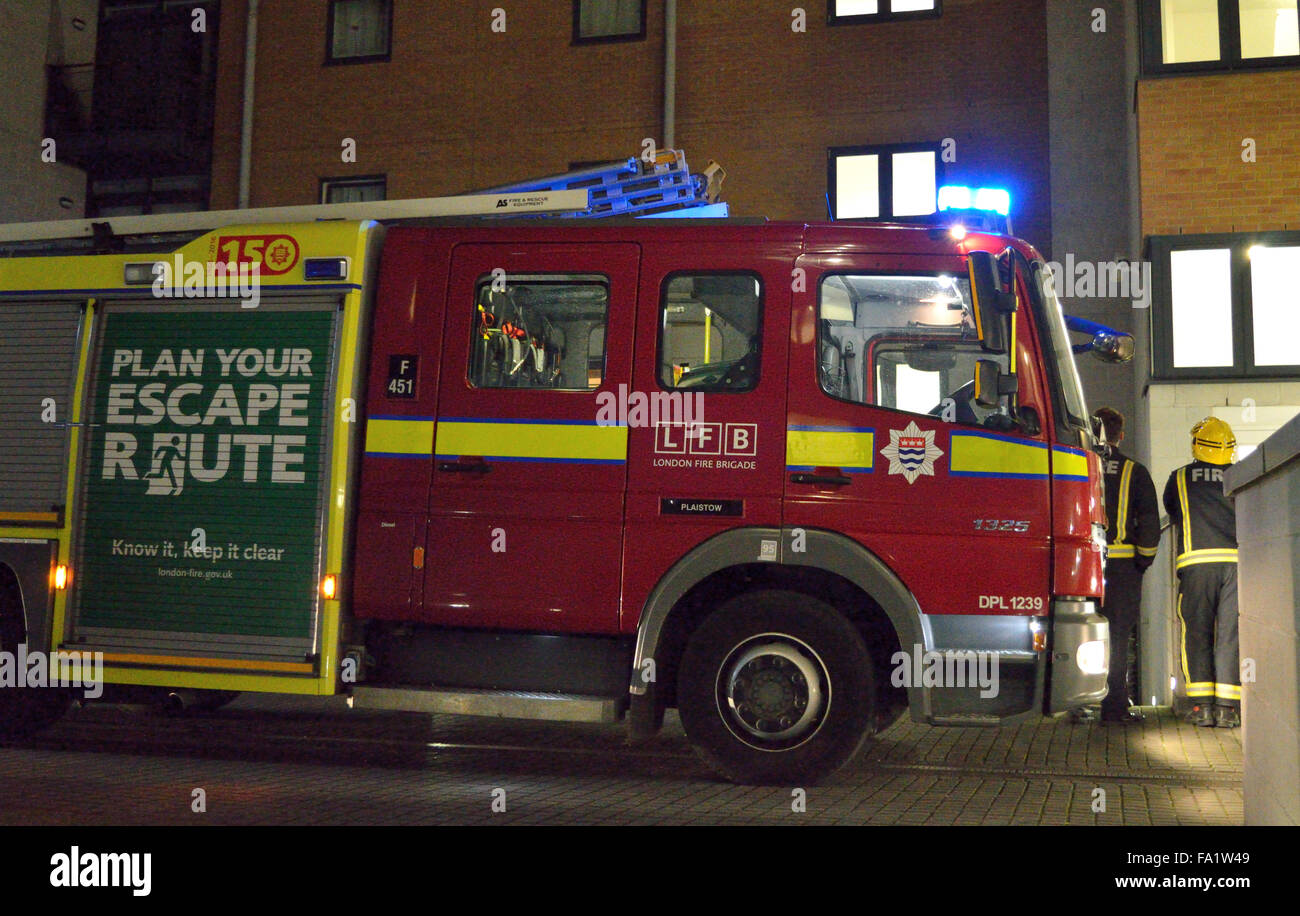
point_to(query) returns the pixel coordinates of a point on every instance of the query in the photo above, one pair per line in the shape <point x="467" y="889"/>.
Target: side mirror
<point x="1112" y="347"/>
<point x="993" y="300"/>
<point x="991" y="385"/>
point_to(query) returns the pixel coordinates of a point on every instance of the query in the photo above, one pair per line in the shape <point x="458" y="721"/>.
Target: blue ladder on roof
<point x="629" y="187"/>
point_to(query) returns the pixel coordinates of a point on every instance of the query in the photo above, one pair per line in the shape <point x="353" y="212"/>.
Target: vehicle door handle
<point x="464" y="467"/>
<point x="833" y="480"/>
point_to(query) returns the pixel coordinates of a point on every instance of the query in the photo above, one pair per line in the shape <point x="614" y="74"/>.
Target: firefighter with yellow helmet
<point x="1205" y="530"/>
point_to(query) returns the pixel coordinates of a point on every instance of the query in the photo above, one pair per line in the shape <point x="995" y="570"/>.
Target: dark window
<point x="1226" y="305"/>
<point x="359" y="31"/>
<point x="608" y="20"/>
<point x="539" y="331"/>
<point x="849" y="12"/>
<point x="130" y="196"/>
<point x="709" y="332"/>
<point x="353" y="190"/>
<point x="882" y="182"/>
<point x="1180" y="36"/>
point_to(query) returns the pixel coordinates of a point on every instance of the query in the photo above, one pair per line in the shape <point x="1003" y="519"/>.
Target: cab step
<point x="503" y="704"/>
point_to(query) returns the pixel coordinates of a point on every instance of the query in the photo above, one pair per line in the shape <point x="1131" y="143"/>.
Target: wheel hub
<point x="773" y="691"/>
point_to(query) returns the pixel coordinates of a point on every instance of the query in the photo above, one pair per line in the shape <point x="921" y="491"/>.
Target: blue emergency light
<point x="959" y="197"/>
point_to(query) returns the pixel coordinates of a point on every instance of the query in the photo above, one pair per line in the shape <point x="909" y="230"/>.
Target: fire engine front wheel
<point x="775" y="687"/>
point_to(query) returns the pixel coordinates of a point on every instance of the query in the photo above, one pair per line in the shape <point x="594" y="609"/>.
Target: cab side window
<point x="906" y="343"/>
<point x="539" y="331"/>
<point x="710" y="327"/>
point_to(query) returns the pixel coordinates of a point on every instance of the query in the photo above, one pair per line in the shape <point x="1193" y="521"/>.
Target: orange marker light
<point x="61" y="576"/>
<point x="329" y="586"/>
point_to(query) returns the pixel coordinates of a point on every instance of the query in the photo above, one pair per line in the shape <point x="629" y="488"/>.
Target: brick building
<point x="1129" y="132"/>
<point x="451" y="104"/>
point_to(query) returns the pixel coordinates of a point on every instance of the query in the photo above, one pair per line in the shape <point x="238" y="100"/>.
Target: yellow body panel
<point x="97" y="278"/>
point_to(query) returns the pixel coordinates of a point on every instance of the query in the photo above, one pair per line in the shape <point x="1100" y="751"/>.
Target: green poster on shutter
<point x="203" y="481"/>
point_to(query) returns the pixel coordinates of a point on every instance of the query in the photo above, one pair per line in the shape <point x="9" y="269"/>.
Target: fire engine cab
<point x="788" y="479"/>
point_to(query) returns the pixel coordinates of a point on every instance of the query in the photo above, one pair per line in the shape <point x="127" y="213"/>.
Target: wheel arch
<point x="684" y="594"/>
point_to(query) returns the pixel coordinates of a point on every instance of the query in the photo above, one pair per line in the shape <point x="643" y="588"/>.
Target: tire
<point x="212" y="700"/>
<point x="24" y="711"/>
<point x="198" y="702"/>
<point x="776" y="687"/>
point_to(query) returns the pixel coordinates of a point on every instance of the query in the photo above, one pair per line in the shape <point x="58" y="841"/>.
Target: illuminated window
<point x="1226" y="306"/>
<point x="1181" y="35"/>
<point x="1269" y="28"/>
<point x="844" y="12"/>
<point x="869" y="182"/>
<point x="1189" y="30"/>
<point x="1275" y="304"/>
<point x="1201" y="305"/>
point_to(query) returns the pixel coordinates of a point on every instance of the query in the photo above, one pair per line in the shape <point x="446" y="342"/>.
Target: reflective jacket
<point x="1205" y="524"/>
<point x="1132" y="512"/>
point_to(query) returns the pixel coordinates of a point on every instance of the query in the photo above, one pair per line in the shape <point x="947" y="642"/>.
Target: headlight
<point x="1091" y="656"/>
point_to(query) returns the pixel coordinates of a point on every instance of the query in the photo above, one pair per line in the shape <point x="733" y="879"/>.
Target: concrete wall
<point x="1266" y="487"/>
<point x="1169" y="411"/>
<point x="1093" y="135"/>
<point x="460" y="107"/>
<point x="33" y="34"/>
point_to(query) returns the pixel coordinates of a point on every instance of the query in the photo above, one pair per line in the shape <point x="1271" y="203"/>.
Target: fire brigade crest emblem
<point x="911" y="452"/>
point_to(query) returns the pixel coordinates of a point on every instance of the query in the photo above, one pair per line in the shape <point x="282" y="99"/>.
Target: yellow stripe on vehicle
<point x="851" y="449"/>
<point x="35" y="518"/>
<point x="532" y="440"/>
<point x="399" y="437"/>
<point x="1067" y="464"/>
<point x="234" y="664"/>
<point x="986" y="455"/>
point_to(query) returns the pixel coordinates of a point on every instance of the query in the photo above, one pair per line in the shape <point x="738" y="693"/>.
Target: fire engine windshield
<point x="902" y="342"/>
<point x="1065" y="375"/>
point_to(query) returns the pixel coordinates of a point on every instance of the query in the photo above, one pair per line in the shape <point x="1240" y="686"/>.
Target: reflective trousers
<point x="1207" y="607"/>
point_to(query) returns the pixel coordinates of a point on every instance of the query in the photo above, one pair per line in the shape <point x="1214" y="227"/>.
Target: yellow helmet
<point x="1213" y="441"/>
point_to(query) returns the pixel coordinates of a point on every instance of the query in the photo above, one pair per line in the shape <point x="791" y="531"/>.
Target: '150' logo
<point x="275" y="254"/>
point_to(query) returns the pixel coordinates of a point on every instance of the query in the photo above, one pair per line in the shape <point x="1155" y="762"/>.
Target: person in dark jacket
<point x="1205" y="527"/>
<point x="1132" y="537"/>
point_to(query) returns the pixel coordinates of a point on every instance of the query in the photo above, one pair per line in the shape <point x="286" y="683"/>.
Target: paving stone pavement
<point x="312" y="762"/>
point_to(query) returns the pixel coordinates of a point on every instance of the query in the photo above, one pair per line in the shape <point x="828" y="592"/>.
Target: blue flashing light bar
<point x="959" y="197"/>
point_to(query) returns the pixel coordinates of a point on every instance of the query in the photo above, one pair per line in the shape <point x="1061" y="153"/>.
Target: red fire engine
<point x="788" y="479"/>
